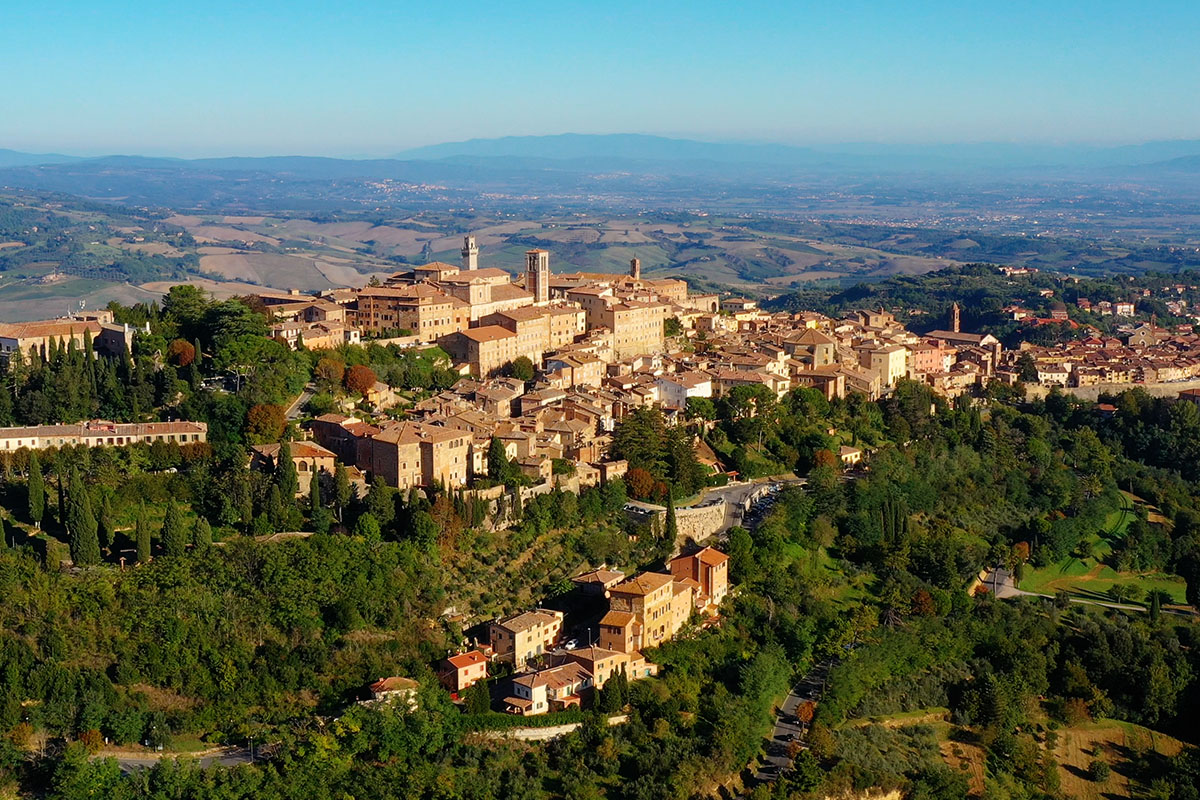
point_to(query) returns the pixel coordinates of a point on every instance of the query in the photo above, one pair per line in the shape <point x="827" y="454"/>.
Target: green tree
<point x="381" y="502"/>
<point x="201" y="534"/>
<point x="424" y="529"/>
<point x="477" y="698"/>
<point x="367" y="527"/>
<point x="700" y="408"/>
<point x="1027" y="368"/>
<point x="318" y="514"/>
<point x="174" y="534"/>
<point x="37" y="490"/>
<point x="499" y="467"/>
<point x="81" y="523"/>
<point x="343" y="491"/>
<point x="106" y="530"/>
<point x="142" y="535"/>
<point x="522" y="369"/>
<point x="671" y="530"/>
<point x="285" y="473"/>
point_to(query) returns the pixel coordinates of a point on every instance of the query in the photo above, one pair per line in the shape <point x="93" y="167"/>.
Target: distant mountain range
<point x="639" y="152"/>
<point x="13" y="158"/>
<point x="636" y="147"/>
<point x="622" y="170"/>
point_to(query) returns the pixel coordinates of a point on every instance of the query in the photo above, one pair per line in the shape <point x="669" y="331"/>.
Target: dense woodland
<point x="208" y="635"/>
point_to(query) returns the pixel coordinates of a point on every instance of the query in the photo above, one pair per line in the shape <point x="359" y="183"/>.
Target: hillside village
<point x="598" y="347"/>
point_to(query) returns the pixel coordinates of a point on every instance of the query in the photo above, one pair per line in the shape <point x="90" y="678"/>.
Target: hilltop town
<point x="537" y="502"/>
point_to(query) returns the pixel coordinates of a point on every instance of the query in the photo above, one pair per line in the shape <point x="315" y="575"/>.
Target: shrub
<point x="1099" y="770"/>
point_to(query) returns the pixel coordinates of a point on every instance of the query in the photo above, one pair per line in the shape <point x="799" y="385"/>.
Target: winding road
<point x="787" y="728"/>
<point x="220" y="757"/>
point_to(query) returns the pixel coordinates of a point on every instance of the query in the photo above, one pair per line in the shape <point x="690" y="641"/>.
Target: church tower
<point x="537" y="275"/>
<point x="635" y="269"/>
<point x="470" y="253"/>
<point x="955" y="319"/>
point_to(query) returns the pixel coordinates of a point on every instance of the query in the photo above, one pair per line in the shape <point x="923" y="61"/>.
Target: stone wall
<point x="699" y="522"/>
<point x="695" y="522"/>
<point x="1034" y="391"/>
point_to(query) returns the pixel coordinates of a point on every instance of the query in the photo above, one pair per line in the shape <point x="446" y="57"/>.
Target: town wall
<point x="1092" y="393"/>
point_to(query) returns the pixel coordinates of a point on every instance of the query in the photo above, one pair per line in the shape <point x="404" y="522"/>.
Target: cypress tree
<point x="201" y="534"/>
<point x="174" y="535"/>
<point x="61" y="486"/>
<point x="672" y="530"/>
<point x="143" y="536"/>
<point x="104" y="521"/>
<point x="343" y="492"/>
<point x="497" y="461"/>
<point x="240" y="498"/>
<point x="319" y="515"/>
<point x="1155" y="606"/>
<point x="275" y="511"/>
<point x="314" y="492"/>
<point x="37" y="491"/>
<point x="81" y="524"/>
<point x="285" y="473"/>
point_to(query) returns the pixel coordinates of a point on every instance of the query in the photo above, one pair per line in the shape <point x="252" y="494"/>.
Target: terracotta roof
<point x="488" y="333"/>
<point x="393" y="684"/>
<point x="66" y="327"/>
<point x="711" y="556"/>
<point x="464" y="660"/>
<point x="299" y="450"/>
<point x="104" y="428"/>
<point x="523" y="313"/>
<point x="506" y="291"/>
<point x="601" y="576"/>
<point x="526" y="620"/>
<point x="559" y="677"/>
<point x="617" y="619"/>
<point x="643" y="584"/>
<point x="590" y="655"/>
<point x="414" y="432"/>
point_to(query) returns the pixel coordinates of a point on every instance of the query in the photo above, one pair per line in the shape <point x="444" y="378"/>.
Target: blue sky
<point x="372" y="78"/>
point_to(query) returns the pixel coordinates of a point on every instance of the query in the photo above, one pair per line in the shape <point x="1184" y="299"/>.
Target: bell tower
<point x="470" y="253"/>
<point x="537" y="275"/>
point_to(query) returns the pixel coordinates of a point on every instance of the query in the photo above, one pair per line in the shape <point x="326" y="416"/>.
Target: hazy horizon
<point x="399" y="152"/>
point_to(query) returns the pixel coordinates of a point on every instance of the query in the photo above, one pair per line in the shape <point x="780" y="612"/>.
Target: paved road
<point x="221" y="757"/>
<point x="735" y="497"/>
<point x="786" y="728"/>
<point x="293" y="411"/>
